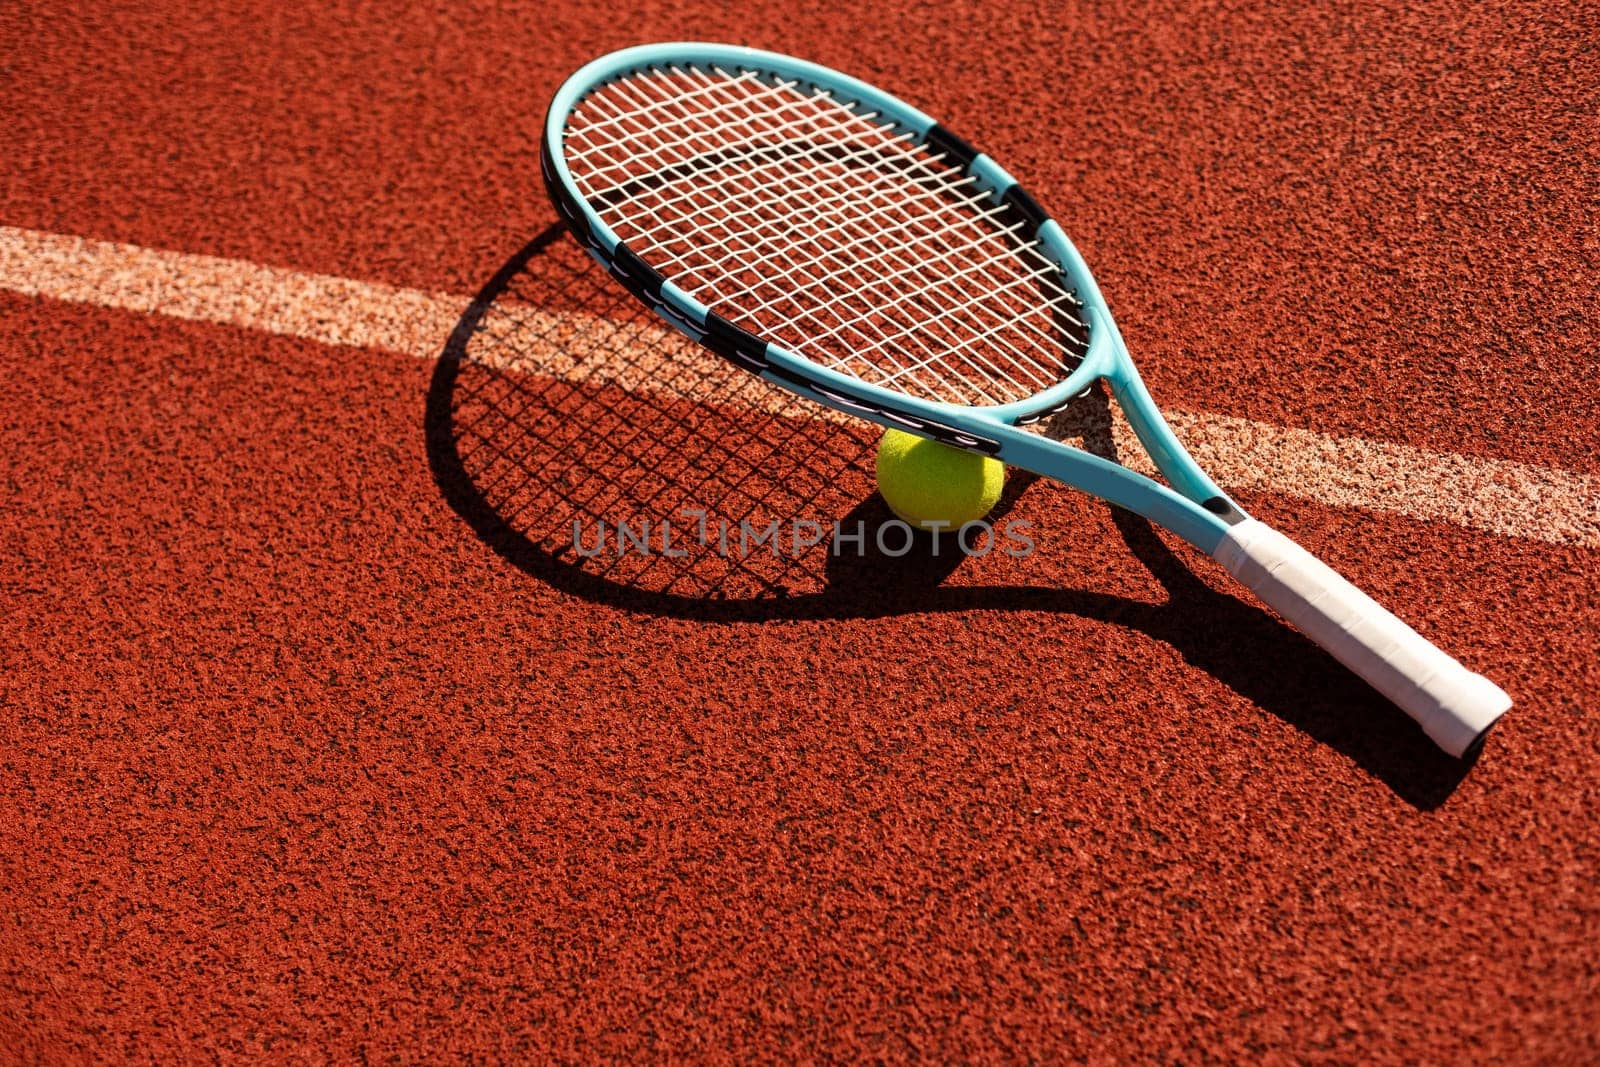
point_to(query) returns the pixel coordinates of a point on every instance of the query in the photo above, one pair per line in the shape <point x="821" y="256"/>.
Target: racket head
<point x="997" y="199"/>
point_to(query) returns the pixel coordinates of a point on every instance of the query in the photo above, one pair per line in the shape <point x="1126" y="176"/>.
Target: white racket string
<point x="701" y="237"/>
<point x="697" y="240"/>
<point x="812" y="223"/>
<point x="923" y="362"/>
<point x="648" y="125"/>
<point x="594" y="126"/>
<point x="846" y="215"/>
<point x="830" y="158"/>
<point x="949" y="177"/>
<point x="994" y="262"/>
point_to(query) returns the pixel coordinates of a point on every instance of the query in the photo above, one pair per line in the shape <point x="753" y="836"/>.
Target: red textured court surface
<point x="315" y="746"/>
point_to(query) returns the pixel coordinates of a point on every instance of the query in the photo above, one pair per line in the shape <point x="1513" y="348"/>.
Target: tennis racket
<point x="841" y="244"/>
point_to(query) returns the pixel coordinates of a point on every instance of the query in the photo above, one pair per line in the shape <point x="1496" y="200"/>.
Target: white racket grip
<point x="1453" y="705"/>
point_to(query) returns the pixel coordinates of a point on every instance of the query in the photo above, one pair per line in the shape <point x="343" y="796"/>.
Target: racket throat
<point x="1165" y="450"/>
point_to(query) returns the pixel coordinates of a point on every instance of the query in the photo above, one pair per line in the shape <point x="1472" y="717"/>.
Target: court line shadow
<point x="533" y="415"/>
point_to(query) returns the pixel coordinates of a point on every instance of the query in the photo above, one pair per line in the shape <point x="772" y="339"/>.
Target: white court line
<point x="1498" y="496"/>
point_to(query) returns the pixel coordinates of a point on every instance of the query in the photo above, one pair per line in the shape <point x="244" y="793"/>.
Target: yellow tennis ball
<point x="926" y="483"/>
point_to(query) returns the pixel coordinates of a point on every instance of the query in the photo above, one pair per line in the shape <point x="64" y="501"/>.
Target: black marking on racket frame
<point x="1022" y="207"/>
<point x="734" y="343"/>
<point x="954" y="149"/>
<point x="633" y="272"/>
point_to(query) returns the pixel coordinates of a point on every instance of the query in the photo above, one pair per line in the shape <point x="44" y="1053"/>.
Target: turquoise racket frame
<point x="1194" y="507"/>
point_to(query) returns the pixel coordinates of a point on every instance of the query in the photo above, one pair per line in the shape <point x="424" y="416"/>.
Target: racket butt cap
<point x="1463" y="724"/>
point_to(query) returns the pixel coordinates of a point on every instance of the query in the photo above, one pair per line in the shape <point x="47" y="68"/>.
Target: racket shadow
<point x="560" y="415"/>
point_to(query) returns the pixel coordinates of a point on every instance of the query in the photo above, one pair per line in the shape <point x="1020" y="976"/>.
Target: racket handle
<point x="1453" y="705"/>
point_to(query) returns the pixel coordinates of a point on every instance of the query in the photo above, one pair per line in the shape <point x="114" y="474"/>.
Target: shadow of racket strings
<point x="583" y="437"/>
